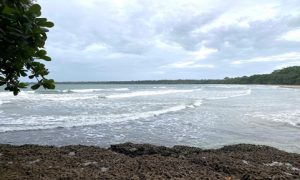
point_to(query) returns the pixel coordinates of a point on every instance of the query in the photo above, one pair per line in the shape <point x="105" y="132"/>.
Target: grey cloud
<point x="145" y="35"/>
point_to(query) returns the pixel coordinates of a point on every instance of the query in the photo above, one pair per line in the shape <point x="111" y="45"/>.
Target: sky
<point x="108" y="40"/>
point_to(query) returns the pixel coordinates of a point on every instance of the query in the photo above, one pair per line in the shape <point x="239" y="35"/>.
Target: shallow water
<point x="206" y="116"/>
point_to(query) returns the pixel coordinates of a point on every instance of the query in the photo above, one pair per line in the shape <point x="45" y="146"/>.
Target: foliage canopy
<point x="287" y="76"/>
<point x="22" y="40"/>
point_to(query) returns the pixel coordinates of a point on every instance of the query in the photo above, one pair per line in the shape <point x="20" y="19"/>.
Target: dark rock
<point x="246" y="177"/>
<point x="131" y="149"/>
<point x="146" y="161"/>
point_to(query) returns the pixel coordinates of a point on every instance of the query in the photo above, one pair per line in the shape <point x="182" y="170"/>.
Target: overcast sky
<point x="170" y="39"/>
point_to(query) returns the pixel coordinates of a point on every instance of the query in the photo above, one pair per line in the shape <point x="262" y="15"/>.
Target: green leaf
<point x="2" y="83"/>
<point x="23" y="73"/>
<point x="31" y="76"/>
<point x="46" y="58"/>
<point x="40" y="21"/>
<point x="35" y="87"/>
<point x="8" y="10"/>
<point x="22" y="85"/>
<point x="35" y="9"/>
<point x="16" y="91"/>
<point x="22" y="40"/>
<point x="48" y="24"/>
<point x="48" y="84"/>
<point x="45" y="29"/>
<point x="41" y="53"/>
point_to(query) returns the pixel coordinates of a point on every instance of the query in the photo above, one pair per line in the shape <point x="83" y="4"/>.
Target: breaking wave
<point x="147" y="93"/>
<point x="231" y="95"/>
<point x="51" y="122"/>
<point x="286" y="117"/>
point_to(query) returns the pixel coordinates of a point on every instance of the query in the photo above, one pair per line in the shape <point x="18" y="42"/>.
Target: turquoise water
<point x="207" y="116"/>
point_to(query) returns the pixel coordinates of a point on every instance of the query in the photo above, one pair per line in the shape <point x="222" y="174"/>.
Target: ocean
<point x="206" y="116"/>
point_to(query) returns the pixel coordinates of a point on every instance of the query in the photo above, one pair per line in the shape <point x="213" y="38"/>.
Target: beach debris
<point x="33" y="162"/>
<point x="104" y="169"/>
<point x="288" y="165"/>
<point x="72" y="153"/>
<point x="88" y="163"/>
<point x="245" y="162"/>
<point x="133" y="149"/>
<point x="274" y="163"/>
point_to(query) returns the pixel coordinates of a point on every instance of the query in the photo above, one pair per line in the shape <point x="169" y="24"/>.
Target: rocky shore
<point x="145" y="161"/>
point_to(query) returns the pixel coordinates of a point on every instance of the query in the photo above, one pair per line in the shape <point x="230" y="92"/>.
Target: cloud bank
<point x="170" y="39"/>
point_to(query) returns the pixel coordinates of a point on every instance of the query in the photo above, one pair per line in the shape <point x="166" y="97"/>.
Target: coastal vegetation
<point x="285" y="76"/>
<point x="22" y="40"/>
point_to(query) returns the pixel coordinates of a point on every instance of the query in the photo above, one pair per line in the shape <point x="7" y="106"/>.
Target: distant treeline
<point x="286" y="76"/>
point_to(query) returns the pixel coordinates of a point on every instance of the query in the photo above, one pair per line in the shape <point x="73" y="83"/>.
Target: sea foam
<point x="287" y="117"/>
<point x="147" y="93"/>
<point x="85" y="90"/>
<point x="86" y="119"/>
<point x="231" y="94"/>
<point x="4" y="102"/>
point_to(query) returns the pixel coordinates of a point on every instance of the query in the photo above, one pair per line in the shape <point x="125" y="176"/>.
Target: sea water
<point x="206" y="116"/>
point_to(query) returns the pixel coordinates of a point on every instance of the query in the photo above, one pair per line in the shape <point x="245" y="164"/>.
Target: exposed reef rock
<point x="145" y="161"/>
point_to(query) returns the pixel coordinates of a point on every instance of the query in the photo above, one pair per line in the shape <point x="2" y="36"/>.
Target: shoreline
<point x="146" y="161"/>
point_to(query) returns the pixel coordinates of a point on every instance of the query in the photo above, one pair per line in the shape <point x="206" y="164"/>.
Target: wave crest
<point x="147" y="93"/>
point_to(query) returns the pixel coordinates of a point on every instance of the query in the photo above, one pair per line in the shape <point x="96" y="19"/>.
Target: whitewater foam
<point x="176" y="110"/>
<point x="51" y="91"/>
<point x="288" y="117"/>
<point x="96" y="90"/>
<point x="196" y="103"/>
<point x="86" y="119"/>
<point x="3" y="102"/>
<point x="85" y="90"/>
<point x="232" y="94"/>
<point x="121" y="89"/>
<point x="147" y="93"/>
<point x="5" y="94"/>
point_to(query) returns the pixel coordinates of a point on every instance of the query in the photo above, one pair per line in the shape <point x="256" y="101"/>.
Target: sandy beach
<point x="145" y="161"/>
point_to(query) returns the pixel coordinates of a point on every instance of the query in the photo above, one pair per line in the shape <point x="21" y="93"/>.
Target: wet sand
<point x="145" y="161"/>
